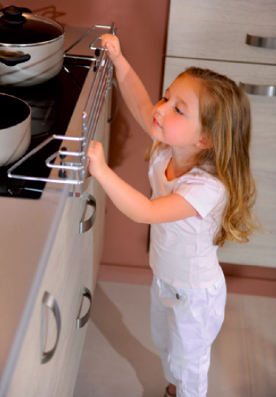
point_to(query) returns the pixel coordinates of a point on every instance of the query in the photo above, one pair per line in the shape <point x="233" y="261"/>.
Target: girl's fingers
<point x="111" y="43"/>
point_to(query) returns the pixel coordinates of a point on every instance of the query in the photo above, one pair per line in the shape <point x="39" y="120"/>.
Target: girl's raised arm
<point x="131" y="87"/>
<point x="130" y="201"/>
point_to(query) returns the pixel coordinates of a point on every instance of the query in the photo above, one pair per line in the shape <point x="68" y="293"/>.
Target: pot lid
<point x="19" y="26"/>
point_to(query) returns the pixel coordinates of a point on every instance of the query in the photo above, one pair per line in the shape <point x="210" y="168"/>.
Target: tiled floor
<point x="119" y="359"/>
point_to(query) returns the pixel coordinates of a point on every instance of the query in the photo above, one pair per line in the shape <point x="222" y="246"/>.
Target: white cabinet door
<point x="217" y="29"/>
<point x="261" y="250"/>
<point x="68" y="271"/>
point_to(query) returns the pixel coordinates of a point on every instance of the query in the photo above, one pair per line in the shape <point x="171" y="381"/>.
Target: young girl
<point x="203" y="192"/>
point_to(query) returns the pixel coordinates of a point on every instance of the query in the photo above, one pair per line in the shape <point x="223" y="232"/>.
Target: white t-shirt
<point x="182" y="253"/>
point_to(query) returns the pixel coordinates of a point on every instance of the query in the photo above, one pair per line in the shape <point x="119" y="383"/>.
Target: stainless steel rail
<point x="90" y="120"/>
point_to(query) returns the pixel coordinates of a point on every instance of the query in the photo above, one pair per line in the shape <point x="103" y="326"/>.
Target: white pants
<point x="184" y="323"/>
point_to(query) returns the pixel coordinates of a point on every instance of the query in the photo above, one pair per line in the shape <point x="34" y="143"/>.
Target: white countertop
<point x="27" y="233"/>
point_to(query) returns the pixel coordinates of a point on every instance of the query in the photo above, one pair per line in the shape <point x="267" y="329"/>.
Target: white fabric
<point x="184" y="323"/>
<point x="182" y="253"/>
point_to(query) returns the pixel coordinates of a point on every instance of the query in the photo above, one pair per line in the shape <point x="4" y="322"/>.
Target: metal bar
<point x="90" y="120"/>
<point x="101" y="85"/>
<point x="95" y="104"/>
<point x="80" y="58"/>
<point x="85" y="34"/>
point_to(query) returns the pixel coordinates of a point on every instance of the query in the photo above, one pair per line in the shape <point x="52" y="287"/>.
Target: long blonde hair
<point x="225" y="117"/>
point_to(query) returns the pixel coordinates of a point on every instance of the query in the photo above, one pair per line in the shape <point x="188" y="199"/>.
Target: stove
<point x="52" y="105"/>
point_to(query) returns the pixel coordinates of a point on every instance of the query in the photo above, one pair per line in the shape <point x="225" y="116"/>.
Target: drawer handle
<point x="81" y="321"/>
<point x="254" y="89"/>
<point x="86" y="225"/>
<point x="261" y="42"/>
<point x="49" y="301"/>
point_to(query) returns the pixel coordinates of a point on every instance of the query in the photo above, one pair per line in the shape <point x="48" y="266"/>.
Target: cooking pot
<point x="15" y="128"/>
<point x="44" y="100"/>
<point x="31" y="47"/>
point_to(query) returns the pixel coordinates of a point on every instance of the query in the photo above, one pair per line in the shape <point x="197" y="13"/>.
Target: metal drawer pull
<point x="81" y="321"/>
<point x="261" y="42"/>
<point x="49" y="301"/>
<point x="265" y="90"/>
<point x="86" y="225"/>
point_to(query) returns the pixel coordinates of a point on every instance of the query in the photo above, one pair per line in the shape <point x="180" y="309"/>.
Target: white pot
<point x="31" y="50"/>
<point x="15" y="128"/>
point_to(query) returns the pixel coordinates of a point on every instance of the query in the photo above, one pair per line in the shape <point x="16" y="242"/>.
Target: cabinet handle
<point x="81" y="321"/>
<point x="49" y="301"/>
<point x="254" y="89"/>
<point x="261" y="42"/>
<point x="86" y="225"/>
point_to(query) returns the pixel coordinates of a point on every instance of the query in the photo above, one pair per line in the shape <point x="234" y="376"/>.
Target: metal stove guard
<point x="90" y="119"/>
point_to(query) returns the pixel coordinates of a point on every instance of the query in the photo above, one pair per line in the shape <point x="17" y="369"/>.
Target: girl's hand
<point x="112" y="44"/>
<point x="96" y="159"/>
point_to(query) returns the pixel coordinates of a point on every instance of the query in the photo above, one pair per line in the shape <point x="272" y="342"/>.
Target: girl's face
<point x="175" y="118"/>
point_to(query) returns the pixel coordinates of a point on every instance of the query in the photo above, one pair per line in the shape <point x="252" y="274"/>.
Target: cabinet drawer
<point x="217" y="29"/>
<point x="240" y="72"/>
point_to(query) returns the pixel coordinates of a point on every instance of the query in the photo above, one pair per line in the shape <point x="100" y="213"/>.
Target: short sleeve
<point x="202" y="190"/>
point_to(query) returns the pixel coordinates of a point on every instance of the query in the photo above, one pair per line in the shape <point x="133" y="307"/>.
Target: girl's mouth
<point x="155" y="122"/>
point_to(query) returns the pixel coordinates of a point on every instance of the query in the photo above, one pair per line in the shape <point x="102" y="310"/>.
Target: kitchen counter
<point x="27" y="232"/>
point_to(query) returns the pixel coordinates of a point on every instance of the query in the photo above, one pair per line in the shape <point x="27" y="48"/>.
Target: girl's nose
<point x="161" y="107"/>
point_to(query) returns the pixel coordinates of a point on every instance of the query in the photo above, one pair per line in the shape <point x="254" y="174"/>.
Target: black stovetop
<point x="52" y="105"/>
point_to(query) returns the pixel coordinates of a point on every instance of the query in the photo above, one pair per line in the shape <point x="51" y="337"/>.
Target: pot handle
<point x="12" y="58"/>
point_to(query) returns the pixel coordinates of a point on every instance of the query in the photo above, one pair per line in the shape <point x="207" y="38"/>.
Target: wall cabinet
<point x="213" y="35"/>
<point x="51" y="351"/>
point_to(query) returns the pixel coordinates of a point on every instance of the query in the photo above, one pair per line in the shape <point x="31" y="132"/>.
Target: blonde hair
<point x="225" y="117"/>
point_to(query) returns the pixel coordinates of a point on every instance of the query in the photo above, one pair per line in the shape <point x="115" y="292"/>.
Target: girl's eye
<point x="164" y="99"/>
<point x="178" y="110"/>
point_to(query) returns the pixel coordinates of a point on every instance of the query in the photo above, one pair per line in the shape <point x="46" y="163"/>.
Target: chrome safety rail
<point x="90" y="119"/>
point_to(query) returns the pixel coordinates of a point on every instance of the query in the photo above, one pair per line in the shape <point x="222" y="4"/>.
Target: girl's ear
<point x="205" y="142"/>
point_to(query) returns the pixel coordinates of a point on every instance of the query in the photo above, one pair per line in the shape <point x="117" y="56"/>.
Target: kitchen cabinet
<point x="213" y="35"/>
<point x="51" y="350"/>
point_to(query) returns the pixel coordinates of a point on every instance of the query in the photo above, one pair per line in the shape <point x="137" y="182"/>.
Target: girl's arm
<point x="131" y="87"/>
<point x="132" y="203"/>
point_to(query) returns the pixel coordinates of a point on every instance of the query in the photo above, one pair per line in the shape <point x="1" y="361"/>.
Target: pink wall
<point x="142" y="28"/>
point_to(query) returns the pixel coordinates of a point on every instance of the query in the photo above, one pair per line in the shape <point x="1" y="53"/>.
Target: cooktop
<point x="52" y="105"/>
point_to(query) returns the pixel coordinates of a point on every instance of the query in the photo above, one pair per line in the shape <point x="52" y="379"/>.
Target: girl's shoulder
<point x="202" y="189"/>
<point x="203" y="174"/>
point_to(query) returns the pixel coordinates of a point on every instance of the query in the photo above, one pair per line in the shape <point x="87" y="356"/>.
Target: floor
<point x="119" y="359"/>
